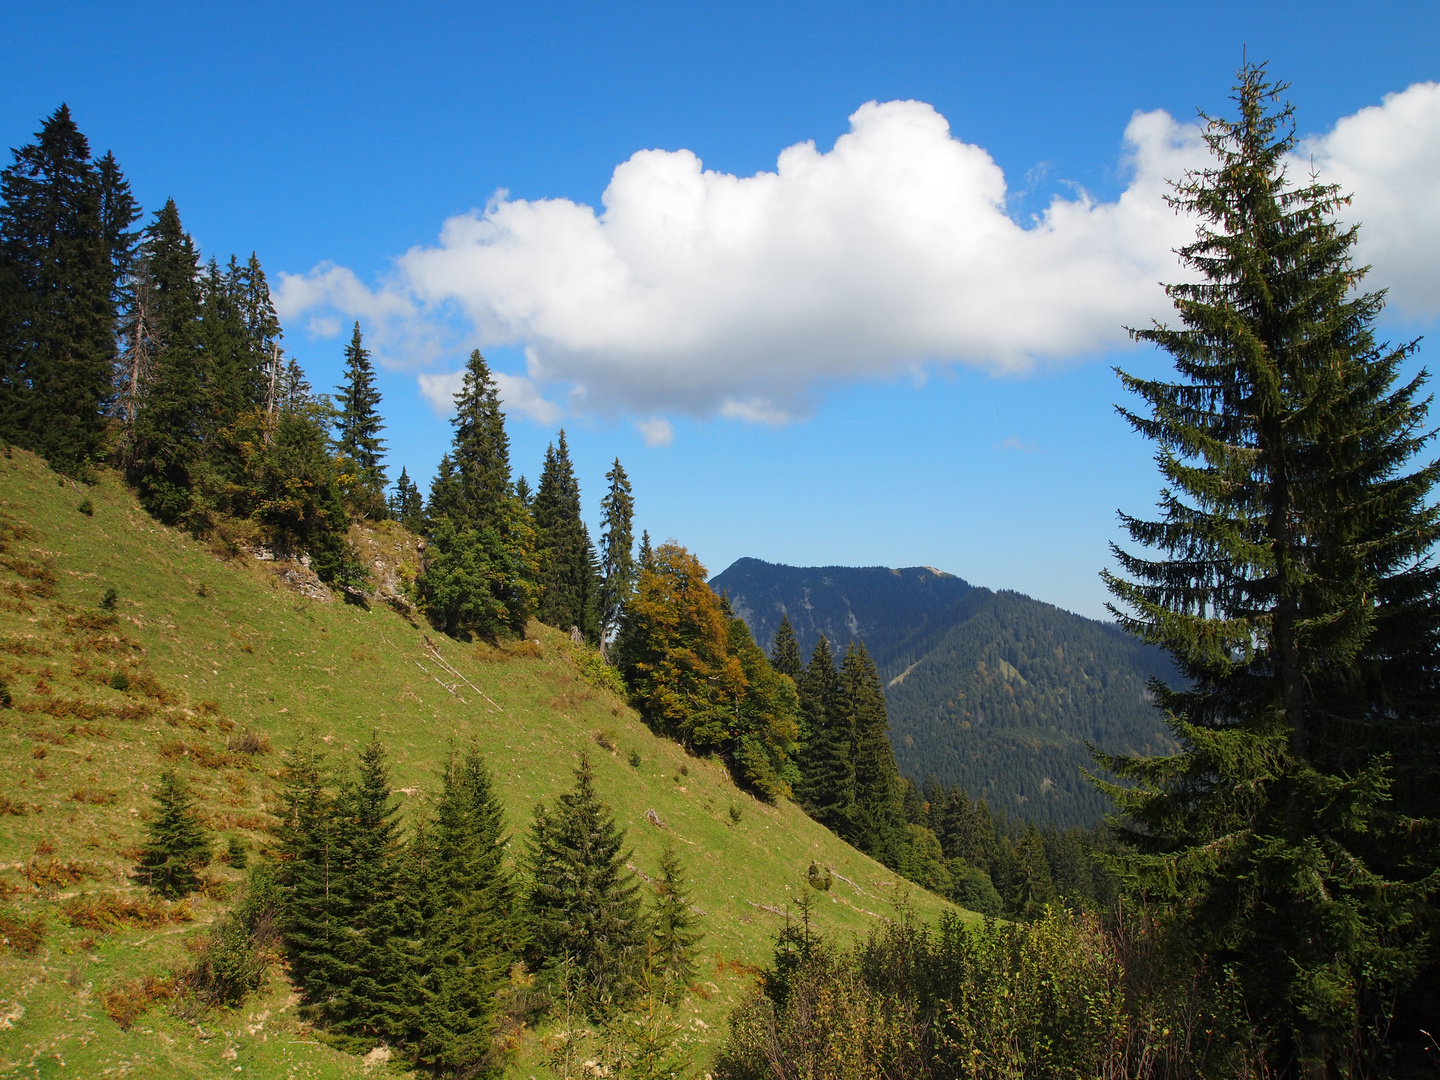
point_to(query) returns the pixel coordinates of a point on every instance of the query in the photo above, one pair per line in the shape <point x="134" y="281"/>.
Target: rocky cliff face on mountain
<point x="993" y="691"/>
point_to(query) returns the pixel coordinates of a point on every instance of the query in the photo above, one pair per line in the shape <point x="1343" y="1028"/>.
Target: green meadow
<point x="226" y="661"/>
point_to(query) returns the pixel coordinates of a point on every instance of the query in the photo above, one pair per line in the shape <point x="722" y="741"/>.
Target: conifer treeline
<point x="119" y="346"/>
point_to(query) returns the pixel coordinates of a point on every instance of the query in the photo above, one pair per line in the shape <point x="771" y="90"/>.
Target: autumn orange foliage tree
<point x="698" y="677"/>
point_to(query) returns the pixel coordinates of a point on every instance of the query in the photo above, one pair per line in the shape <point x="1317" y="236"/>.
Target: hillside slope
<point x="993" y="691"/>
<point x="213" y="648"/>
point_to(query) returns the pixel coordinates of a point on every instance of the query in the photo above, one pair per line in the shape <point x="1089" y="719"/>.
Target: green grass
<point x="214" y="647"/>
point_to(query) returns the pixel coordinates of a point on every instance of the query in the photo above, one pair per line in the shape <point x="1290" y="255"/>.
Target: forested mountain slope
<point x="993" y="691"/>
<point x="226" y="664"/>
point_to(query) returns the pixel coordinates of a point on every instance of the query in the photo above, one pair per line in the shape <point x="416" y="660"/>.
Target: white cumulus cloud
<point x="698" y="292"/>
<point x="1388" y="157"/>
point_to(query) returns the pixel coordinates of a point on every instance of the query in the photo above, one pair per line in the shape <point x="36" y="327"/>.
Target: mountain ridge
<point x="990" y="690"/>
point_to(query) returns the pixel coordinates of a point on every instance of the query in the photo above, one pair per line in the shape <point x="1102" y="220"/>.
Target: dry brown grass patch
<point x="502" y="652"/>
<point x="56" y="874"/>
<point x="93" y="796"/>
<point x="570" y="699"/>
<point x="20" y="934"/>
<point x="91" y="620"/>
<point x="64" y="708"/>
<point x="12" y="808"/>
<point x="89" y="731"/>
<point x="175" y="749"/>
<point x="125" y="1002"/>
<point x="147" y="684"/>
<point x="41" y="574"/>
<point x="111" y="911"/>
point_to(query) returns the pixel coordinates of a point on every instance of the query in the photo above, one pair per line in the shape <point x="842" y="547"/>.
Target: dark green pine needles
<point x="407" y="505"/>
<point x="617" y="554"/>
<point x="827" y="774"/>
<point x="1289" y="576"/>
<point x="371" y="962"/>
<point x="64" y="243"/>
<point x="584" y="904"/>
<point x="357" y="434"/>
<point x="877" y="823"/>
<point x="473" y="928"/>
<point x="568" y="580"/>
<point x="175" y="847"/>
<point x="785" y="652"/>
<point x="675" y="935"/>
<point x="479" y="561"/>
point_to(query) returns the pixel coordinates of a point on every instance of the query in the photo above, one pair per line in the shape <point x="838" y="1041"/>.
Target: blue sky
<point x="345" y="136"/>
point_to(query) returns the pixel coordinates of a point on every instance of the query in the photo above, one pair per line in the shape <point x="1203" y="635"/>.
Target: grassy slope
<point x="271" y="660"/>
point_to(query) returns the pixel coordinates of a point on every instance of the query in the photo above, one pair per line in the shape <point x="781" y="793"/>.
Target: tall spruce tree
<point x="785" y="651"/>
<point x="118" y="211"/>
<point x="1034" y="888"/>
<point x="567" y="558"/>
<point x="309" y="872"/>
<point x="765" y="723"/>
<point x="473" y="930"/>
<point x="370" y="1002"/>
<point x="827" y="773"/>
<point x="617" y="553"/>
<point x="1291" y="582"/>
<point x="57" y="293"/>
<point x="480" y="563"/>
<point x="878" y="819"/>
<point x="172" y="406"/>
<point x="584" y="905"/>
<point x="175" y="845"/>
<point x="225" y="353"/>
<point x="358" y="430"/>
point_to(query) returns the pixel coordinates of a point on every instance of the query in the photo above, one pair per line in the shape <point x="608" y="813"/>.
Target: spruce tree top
<point x="785" y="653"/>
<point x="481" y="450"/>
<point x="359" y="423"/>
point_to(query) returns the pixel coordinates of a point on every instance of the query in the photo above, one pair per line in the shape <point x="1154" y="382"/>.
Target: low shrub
<point x="248" y="742"/>
<point x="1058" y="999"/>
<point x="234" y="957"/>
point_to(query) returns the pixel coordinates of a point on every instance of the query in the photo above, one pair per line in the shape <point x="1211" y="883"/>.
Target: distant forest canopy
<point x="991" y="692"/>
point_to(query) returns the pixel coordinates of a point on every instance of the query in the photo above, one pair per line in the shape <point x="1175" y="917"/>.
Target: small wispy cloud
<point x="657" y="431"/>
<point x="1014" y="442"/>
